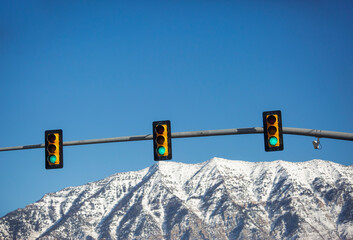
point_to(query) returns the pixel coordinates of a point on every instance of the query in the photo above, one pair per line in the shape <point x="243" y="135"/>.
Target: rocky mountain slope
<point x="216" y="199"/>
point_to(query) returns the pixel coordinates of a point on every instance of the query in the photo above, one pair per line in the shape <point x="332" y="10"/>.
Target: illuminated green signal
<point x="52" y="158"/>
<point x="161" y="150"/>
<point x="273" y="141"/>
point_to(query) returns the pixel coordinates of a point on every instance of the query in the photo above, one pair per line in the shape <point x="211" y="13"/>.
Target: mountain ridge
<point x="216" y="199"/>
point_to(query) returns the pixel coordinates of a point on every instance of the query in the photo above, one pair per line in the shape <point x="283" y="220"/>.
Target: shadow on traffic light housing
<point x="54" y="149"/>
<point x="273" y="136"/>
<point x="162" y="140"/>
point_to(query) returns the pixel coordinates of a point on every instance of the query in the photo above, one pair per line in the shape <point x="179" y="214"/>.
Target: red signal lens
<point x="160" y="129"/>
<point x="51" y="138"/>
<point x="271" y="119"/>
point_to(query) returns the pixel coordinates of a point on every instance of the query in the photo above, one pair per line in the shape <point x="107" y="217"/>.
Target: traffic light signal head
<point x="273" y="136"/>
<point x="162" y="140"/>
<point x="53" y="149"/>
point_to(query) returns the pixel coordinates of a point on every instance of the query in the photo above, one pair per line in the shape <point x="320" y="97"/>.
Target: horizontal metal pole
<point x="207" y="133"/>
<point x="318" y="133"/>
<point x="204" y="133"/>
<point x="108" y="140"/>
<point x="22" y="147"/>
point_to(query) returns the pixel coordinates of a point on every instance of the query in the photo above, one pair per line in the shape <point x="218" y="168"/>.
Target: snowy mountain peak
<point x="216" y="199"/>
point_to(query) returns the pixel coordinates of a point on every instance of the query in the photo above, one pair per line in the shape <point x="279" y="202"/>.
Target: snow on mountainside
<point x="217" y="199"/>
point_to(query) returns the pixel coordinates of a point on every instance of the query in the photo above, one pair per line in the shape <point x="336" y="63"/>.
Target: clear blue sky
<point x="111" y="68"/>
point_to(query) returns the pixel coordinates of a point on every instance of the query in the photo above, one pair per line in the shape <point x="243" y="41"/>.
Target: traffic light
<point x="273" y="131"/>
<point x="53" y="149"/>
<point x="162" y="140"/>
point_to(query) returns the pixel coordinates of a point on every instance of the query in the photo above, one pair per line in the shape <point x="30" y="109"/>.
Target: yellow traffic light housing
<point x="162" y="140"/>
<point x="54" y="149"/>
<point x="273" y="137"/>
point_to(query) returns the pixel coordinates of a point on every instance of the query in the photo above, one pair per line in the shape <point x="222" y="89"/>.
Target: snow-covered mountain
<point x="216" y="199"/>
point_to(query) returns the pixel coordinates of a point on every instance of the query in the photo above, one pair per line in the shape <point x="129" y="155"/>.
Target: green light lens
<point x="273" y="140"/>
<point x="52" y="158"/>
<point x="161" y="150"/>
